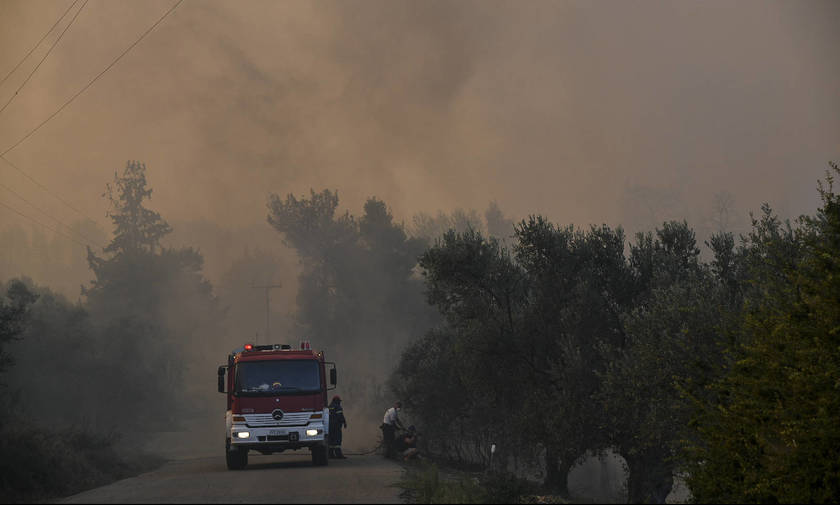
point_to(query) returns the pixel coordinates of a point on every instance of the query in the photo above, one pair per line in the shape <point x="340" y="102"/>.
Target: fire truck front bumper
<point x="277" y="438"/>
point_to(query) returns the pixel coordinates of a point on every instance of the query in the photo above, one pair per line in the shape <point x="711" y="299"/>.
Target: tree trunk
<point x="557" y="472"/>
<point x="649" y="479"/>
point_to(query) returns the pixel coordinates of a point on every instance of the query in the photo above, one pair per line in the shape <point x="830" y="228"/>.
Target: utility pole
<point x="267" y="288"/>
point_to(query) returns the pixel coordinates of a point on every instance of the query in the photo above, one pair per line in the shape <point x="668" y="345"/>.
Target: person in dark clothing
<point x="336" y="422"/>
<point x="390" y="424"/>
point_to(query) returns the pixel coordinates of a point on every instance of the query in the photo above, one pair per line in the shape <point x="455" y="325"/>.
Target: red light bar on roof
<point x="304" y="345"/>
<point x="249" y="347"/>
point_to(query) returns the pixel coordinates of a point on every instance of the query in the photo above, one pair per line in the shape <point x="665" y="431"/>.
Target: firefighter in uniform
<point x="336" y="422"/>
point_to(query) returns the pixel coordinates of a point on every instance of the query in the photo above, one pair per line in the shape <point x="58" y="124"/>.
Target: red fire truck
<point x="276" y="401"/>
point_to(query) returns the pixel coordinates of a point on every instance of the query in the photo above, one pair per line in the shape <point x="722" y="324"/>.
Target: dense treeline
<point x="360" y="294"/>
<point x="550" y="341"/>
<point x="568" y="341"/>
<point x="76" y="376"/>
<point x="770" y="429"/>
<point x="358" y="297"/>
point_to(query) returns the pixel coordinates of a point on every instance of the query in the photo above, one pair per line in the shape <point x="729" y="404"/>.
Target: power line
<point x="80" y="234"/>
<point x="12" y="71"/>
<point x="34" y="181"/>
<point x="44" y="58"/>
<point x="129" y="48"/>
<point x="42" y="224"/>
<point x="72" y="98"/>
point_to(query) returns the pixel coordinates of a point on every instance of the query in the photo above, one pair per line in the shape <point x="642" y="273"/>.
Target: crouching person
<point x="408" y="444"/>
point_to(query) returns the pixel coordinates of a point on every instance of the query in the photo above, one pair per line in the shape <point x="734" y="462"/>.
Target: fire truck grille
<point x="289" y="419"/>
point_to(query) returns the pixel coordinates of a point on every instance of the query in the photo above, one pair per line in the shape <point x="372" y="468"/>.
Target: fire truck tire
<point x="319" y="455"/>
<point x="236" y="459"/>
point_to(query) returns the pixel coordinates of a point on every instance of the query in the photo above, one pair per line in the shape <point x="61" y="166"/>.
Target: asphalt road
<point x="278" y="478"/>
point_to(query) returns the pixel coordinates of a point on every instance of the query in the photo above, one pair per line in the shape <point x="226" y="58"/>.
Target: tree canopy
<point x="725" y="371"/>
<point x="149" y="302"/>
<point x="771" y="430"/>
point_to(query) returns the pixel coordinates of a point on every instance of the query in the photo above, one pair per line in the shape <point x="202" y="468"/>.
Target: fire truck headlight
<point x="311" y="433"/>
<point x="243" y="434"/>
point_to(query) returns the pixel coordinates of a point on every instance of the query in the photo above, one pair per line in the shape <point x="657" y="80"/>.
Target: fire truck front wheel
<point x="236" y="458"/>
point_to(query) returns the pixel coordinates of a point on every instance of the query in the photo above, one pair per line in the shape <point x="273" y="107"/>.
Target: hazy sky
<point x="550" y="107"/>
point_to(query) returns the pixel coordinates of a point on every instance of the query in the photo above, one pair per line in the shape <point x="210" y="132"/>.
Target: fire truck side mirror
<point x="333" y="377"/>
<point x="222" y="379"/>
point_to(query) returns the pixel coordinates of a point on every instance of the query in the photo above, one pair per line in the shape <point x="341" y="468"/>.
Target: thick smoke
<point x="547" y="107"/>
<point x="628" y="114"/>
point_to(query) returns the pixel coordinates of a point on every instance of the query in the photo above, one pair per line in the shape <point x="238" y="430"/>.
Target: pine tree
<point x="151" y="303"/>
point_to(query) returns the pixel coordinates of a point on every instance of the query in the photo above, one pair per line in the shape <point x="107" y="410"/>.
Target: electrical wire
<point x="12" y="71"/>
<point x="68" y="102"/>
<point x="44" y="225"/>
<point x="71" y="230"/>
<point x="89" y="84"/>
<point x="44" y="58"/>
<point x="34" y="181"/>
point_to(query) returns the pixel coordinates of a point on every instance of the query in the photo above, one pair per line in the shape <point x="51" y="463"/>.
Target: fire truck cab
<point x="276" y="401"/>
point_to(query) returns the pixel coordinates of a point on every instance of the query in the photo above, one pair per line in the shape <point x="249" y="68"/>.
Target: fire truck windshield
<point x="280" y="377"/>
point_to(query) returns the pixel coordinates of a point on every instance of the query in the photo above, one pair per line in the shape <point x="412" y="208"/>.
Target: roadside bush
<point x="506" y="488"/>
<point x="426" y="485"/>
<point x="37" y="465"/>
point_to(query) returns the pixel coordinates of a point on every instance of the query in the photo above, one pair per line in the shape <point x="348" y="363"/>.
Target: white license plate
<point x="275" y="432"/>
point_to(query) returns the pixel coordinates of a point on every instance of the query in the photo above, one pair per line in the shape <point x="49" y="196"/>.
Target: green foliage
<point x="427" y="486"/>
<point x="771" y="430"/>
<point x="579" y="285"/>
<point x="628" y="349"/>
<point x="148" y="304"/>
<point x="358" y="293"/>
<point x="502" y="487"/>
<point x="671" y="343"/>
<point x="136" y="228"/>
<point x="310" y="225"/>
<point x="57" y="369"/>
<point x="357" y="279"/>
<point x="14" y="306"/>
<point x="523" y="334"/>
<point x="57" y="346"/>
<point x="39" y="465"/>
<point x="478" y="289"/>
<point x="431" y="228"/>
<point x="548" y="342"/>
<point x="438" y="402"/>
